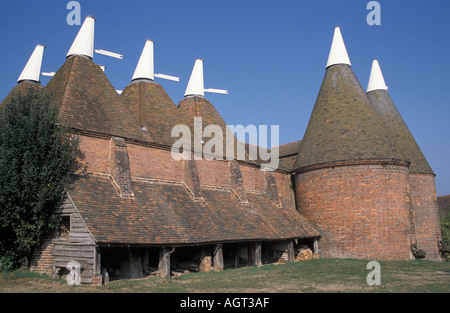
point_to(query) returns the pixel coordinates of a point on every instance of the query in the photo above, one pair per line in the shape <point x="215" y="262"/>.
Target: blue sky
<point x="270" y="55"/>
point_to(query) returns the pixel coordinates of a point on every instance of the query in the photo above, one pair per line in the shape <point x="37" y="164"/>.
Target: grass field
<point x="314" y="276"/>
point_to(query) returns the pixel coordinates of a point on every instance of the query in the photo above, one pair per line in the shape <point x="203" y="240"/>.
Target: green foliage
<point x="36" y="155"/>
<point x="445" y="229"/>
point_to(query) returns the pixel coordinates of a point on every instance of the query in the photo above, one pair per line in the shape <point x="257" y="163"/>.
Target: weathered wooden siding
<point x="79" y="246"/>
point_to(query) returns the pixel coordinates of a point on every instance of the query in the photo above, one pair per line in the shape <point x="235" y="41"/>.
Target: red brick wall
<point x="253" y="178"/>
<point x="426" y="214"/>
<point x="42" y="261"/>
<point x="95" y="153"/>
<point x="213" y="173"/>
<point x="153" y="163"/>
<point x="146" y="162"/>
<point x="363" y="211"/>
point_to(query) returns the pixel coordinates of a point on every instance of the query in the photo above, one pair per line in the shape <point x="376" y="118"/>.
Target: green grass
<point x="320" y="275"/>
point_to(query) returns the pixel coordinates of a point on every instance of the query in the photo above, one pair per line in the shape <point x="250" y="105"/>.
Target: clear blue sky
<point x="270" y="55"/>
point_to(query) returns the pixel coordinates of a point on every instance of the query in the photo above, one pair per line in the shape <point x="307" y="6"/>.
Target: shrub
<point x="445" y="229"/>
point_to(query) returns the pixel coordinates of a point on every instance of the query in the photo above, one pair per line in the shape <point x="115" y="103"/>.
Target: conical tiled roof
<point x="153" y="108"/>
<point x="198" y="106"/>
<point x="399" y="132"/>
<point x="88" y="101"/>
<point x="344" y="125"/>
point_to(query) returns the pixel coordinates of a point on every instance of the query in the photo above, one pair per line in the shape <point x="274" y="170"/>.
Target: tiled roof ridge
<point x="68" y="78"/>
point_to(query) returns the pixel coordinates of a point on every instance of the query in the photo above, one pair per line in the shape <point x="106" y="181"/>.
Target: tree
<point x="445" y="228"/>
<point x="36" y="156"/>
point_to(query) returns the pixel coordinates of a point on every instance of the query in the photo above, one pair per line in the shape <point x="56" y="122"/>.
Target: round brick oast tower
<point x="361" y="209"/>
<point x="422" y="178"/>
<point x="352" y="181"/>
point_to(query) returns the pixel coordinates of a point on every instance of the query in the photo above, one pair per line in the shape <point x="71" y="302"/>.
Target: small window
<point x="64" y="228"/>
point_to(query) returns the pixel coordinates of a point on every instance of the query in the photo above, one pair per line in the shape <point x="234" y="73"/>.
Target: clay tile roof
<point x="89" y="102"/>
<point x="400" y="133"/>
<point x="152" y="107"/>
<point x="196" y="106"/>
<point x="287" y="155"/>
<point x="344" y="125"/>
<point x="289" y="149"/>
<point x="166" y="214"/>
<point x="199" y="106"/>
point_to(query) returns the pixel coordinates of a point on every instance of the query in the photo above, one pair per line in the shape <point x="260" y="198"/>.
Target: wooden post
<point x="98" y="262"/>
<point x="135" y="261"/>
<point x="258" y="254"/>
<point x="164" y="263"/>
<point x="105" y="276"/>
<point x="251" y="254"/>
<point x="145" y="258"/>
<point x="218" y="257"/>
<point x="254" y="254"/>
<point x="97" y="279"/>
<point x="316" y="246"/>
<point x="290" y="251"/>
